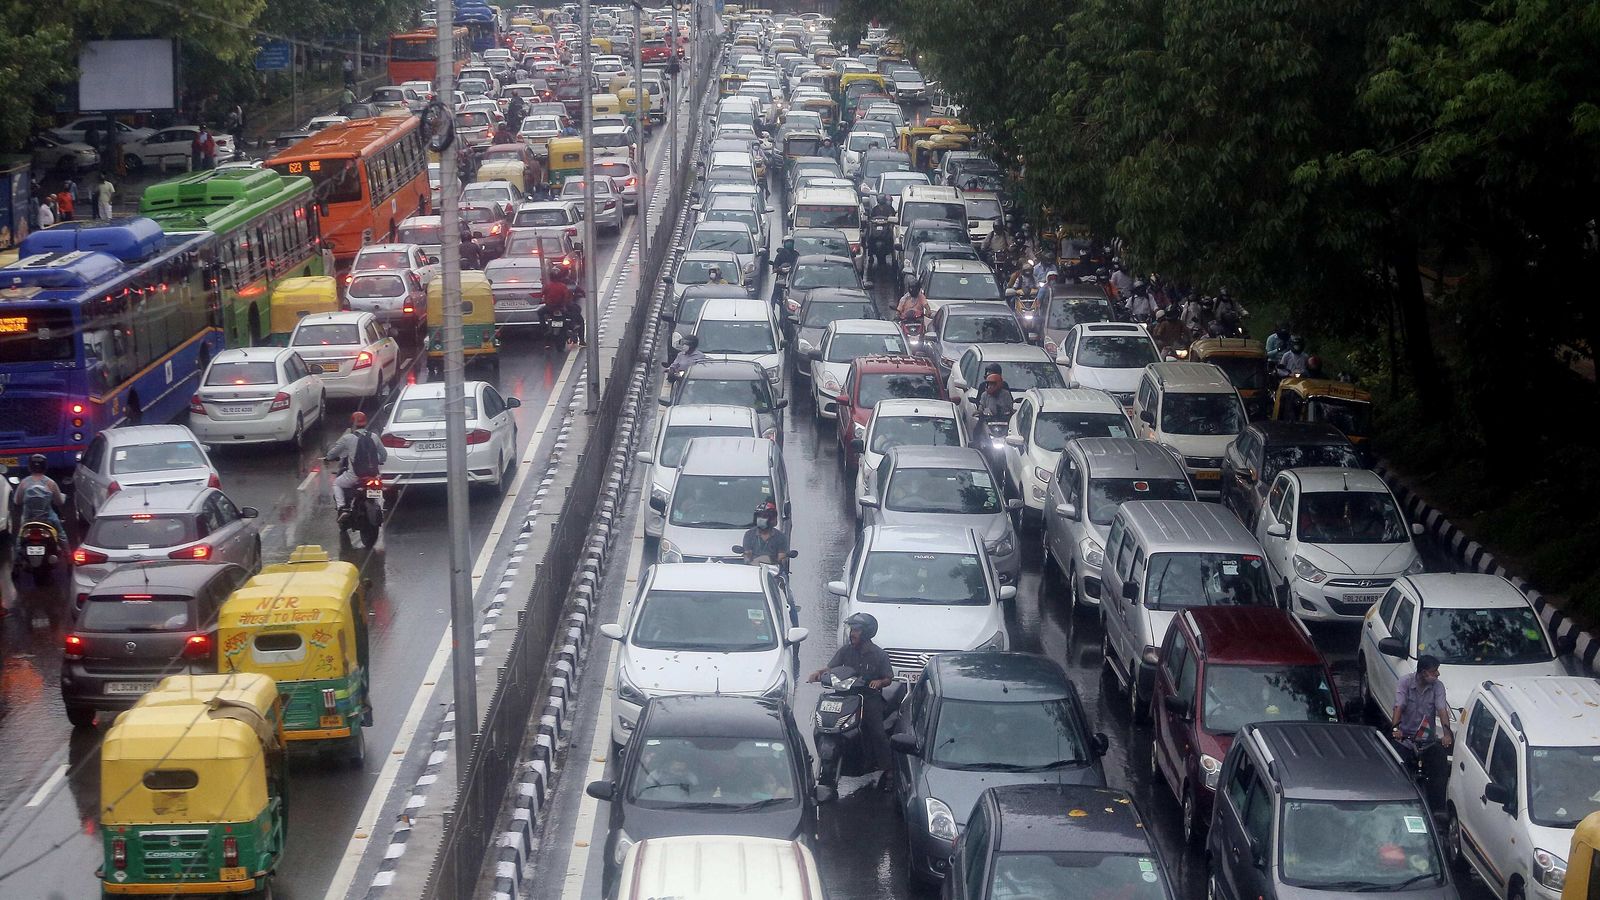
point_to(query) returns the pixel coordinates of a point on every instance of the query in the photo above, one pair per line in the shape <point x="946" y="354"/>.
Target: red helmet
<point x="358" y="419"/>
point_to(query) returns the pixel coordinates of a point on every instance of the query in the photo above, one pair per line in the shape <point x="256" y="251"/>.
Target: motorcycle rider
<point x="913" y="305"/>
<point x="1421" y="717"/>
<point x="872" y="663"/>
<point x="1141" y="306"/>
<point x="562" y="299"/>
<point x="998" y="243"/>
<point x="1042" y="297"/>
<point x="38" y="498"/>
<point x="884" y="249"/>
<point x="1313" y="367"/>
<point x="687" y="356"/>
<point x="994" y="402"/>
<point x="1293" y="361"/>
<point x="714" y="276"/>
<point x="782" y="264"/>
<point x="764" y="538"/>
<point x="1168" y="332"/>
<point x="359" y="455"/>
<point x="1228" y="310"/>
<point x="1121" y="282"/>
<point x="1278" y="340"/>
<point x="469" y="248"/>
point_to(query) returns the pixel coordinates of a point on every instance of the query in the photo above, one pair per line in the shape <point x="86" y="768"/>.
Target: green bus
<point x="267" y="230"/>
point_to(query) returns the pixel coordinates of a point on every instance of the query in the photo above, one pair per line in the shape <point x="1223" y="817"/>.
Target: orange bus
<point x="414" y="56"/>
<point x="370" y="174"/>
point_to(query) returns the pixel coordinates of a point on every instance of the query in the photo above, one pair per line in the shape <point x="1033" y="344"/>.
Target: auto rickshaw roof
<point x="248" y="689"/>
<point x="308" y="588"/>
<point x="179" y="732"/>
<point x="1205" y="348"/>
<point x="307" y="287"/>
<point x="227" y="757"/>
<point x="475" y="286"/>
<point x="1325" y="387"/>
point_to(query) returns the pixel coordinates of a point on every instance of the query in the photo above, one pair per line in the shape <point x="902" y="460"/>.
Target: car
<point x="960" y="281"/>
<point x="931" y="203"/>
<point x="503" y="194"/>
<point x="855" y="146"/>
<point x="708" y="764"/>
<point x="1320" y="809"/>
<point x="712" y="503"/>
<point x="517" y="284"/>
<point x="1046" y="419"/>
<point x="1024" y="367"/>
<point x="255" y="395"/>
<point x="1478" y="626"/>
<point x="1335" y="539"/>
<point x="398" y="299"/>
<point x="129" y="456"/>
<point x="958" y="326"/>
<point x="941" y="231"/>
<point x="741" y="210"/>
<point x="694" y="267"/>
<point x="425" y="88"/>
<point x="742" y="329"/>
<point x="811" y="273"/>
<point x="143" y="622"/>
<point x="842" y="342"/>
<point x="876" y="161"/>
<point x="1253" y="460"/>
<point x="91" y="129"/>
<point x="1192" y="409"/>
<point x="607" y="201"/>
<point x="1056" y="840"/>
<point x="559" y="218"/>
<point x="907" y="86"/>
<point x="51" y="151"/>
<point x="731" y="237"/>
<point x="412" y="432"/>
<point x="423" y="231"/>
<point x="358" y="356"/>
<point x="947" y="486"/>
<point x="537" y="131"/>
<point x="984" y="214"/>
<point x="1221" y="667"/>
<point x="929" y="252"/>
<point x="807" y="322"/>
<point x="174" y="141"/>
<point x="704" y="628"/>
<point x="890" y="184"/>
<point x="879" y="377"/>
<point x="317" y="123"/>
<point x="686" y="313"/>
<point x="490" y="221"/>
<point x="1068" y="306"/>
<point x="396" y="257"/>
<point x="974" y="721"/>
<point x="1524" y="779"/>
<point x="679" y="425"/>
<point x="820" y="242"/>
<point x="903" y="423"/>
<point x="613" y="141"/>
<point x="1110" y="356"/>
<point x="624" y="177"/>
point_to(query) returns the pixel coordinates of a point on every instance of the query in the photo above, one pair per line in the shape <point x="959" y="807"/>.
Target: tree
<point x="35" y="58"/>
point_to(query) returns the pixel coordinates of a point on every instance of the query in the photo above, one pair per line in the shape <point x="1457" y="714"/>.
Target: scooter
<point x="913" y="329"/>
<point x="365" y="515"/>
<point x="841" y="747"/>
<point x="38" y="550"/>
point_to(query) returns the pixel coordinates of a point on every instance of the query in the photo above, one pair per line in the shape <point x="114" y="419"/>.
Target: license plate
<point x="1208" y="475"/>
<point x="831" y="706"/>
<point x="129" y="687"/>
<point x="35" y="550"/>
<point x="1362" y="598"/>
<point x="238" y="409"/>
<point x="429" y="446"/>
<point x="512" y="304"/>
<point x="375" y="495"/>
<point x="330" y="721"/>
<point x="558" y="323"/>
<point x="8" y="460"/>
<point x="234" y="873"/>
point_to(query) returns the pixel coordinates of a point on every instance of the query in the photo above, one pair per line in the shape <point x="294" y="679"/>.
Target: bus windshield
<point x="412" y="49"/>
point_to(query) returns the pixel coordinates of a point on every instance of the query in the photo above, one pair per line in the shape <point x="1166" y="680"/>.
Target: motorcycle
<point x="881" y="241"/>
<point x="1026" y="307"/>
<point x="557" y="324"/>
<point x="780" y="283"/>
<point x="841" y="747"/>
<point x="993" y="444"/>
<point x="913" y="329"/>
<point x="365" y="515"/>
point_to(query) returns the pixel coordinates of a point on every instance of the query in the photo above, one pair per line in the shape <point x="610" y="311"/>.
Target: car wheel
<point x="1363" y="689"/>
<point x="298" y="439"/>
<point x="1192" y="826"/>
<point x="132" y="162"/>
<point x="355" y="749"/>
<point x="1137" y="711"/>
<point x="1075" y="603"/>
<point x="80" y="716"/>
<point x="1517" y="892"/>
<point x="1105" y="647"/>
<point x="1452" y="839"/>
<point x="1213" y="890"/>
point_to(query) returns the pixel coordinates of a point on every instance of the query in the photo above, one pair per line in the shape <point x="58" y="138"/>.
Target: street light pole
<point x="674" y="66"/>
<point x="463" y="671"/>
<point x="642" y="214"/>
<point x="590" y="246"/>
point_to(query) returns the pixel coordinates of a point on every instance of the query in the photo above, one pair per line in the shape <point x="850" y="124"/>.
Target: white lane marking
<point x="48" y="786"/>
<point x="583" y="833"/>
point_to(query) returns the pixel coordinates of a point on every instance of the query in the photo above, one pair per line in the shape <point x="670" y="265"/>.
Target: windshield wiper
<point x="704" y="804"/>
<point x="759" y="804"/>
<point x="1405" y="884"/>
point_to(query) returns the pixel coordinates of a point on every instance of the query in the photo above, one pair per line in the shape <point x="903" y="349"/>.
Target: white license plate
<point x="1362" y="598"/>
<point x="429" y="446"/>
<point x="375" y="495"/>
<point x="129" y="687"/>
<point x="238" y="409"/>
<point x="35" y="550"/>
<point x="831" y="706"/>
<point x="512" y="304"/>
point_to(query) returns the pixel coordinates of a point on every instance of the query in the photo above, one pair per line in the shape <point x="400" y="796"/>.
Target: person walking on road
<point x="102" y="198"/>
<point x="47" y="216"/>
<point x="349" y="71"/>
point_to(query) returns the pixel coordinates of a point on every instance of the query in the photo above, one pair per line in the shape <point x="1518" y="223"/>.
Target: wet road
<point x="49" y="773"/>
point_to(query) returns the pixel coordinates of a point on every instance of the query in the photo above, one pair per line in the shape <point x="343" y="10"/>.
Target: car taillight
<point x="281" y="401"/>
<point x="855" y="246"/>
<point x="198" y="646"/>
<point x="214" y="481"/>
<point x="394" y="440"/>
<point x="112" y="488"/>
<point x="632" y="182"/>
<point x="196" y="406"/>
<point x="496" y="228"/>
<point x="478" y="436"/>
<point x="84" y="557"/>
<point x="572" y="232"/>
<point x="198" y="551"/>
<point x="119" y="853"/>
<point x="408" y="309"/>
<point x="72" y="647"/>
<point x="363" y="361"/>
<point x="230" y="851"/>
<point x="347" y="279"/>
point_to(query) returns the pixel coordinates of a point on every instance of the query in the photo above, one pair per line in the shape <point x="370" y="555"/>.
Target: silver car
<point x="183" y="521"/>
<point x="138" y="456"/>
<point x="679" y="425"/>
<point x="947" y="486"/>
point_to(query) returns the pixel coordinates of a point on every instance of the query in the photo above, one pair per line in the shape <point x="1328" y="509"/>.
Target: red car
<point x="874" y="378"/>
<point x="653" y="52"/>
<point x="1221" y="668"/>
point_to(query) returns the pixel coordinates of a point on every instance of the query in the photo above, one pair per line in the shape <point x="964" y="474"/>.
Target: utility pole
<point x="671" y="81"/>
<point x="463" y="671"/>
<point x="642" y="214"/>
<point x="590" y="247"/>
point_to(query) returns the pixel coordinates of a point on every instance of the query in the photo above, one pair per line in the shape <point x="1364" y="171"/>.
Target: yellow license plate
<point x="1208" y="475"/>
<point x="331" y="721"/>
<point x="235" y="873"/>
<point x="8" y="460"/>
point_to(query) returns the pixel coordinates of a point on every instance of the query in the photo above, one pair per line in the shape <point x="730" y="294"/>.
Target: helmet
<point x="864" y="621"/>
<point x="1297" y="343"/>
<point x="1140" y="286"/>
<point x="994" y="378"/>
<point x="714" y="271"/>
<point x="913" y="287"/>
<point x="1222" y="294"/>
<point x="358" y="419"/>
<point x="1050" y="275"/>
<point x="1314" y="362"/>
<point x="1283" y="328"/>
<point x="37" y="463"/>
<point x="788" y="242"/>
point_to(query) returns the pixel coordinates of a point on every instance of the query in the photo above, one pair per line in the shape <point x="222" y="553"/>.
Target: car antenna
<point x="1345" y="474"/>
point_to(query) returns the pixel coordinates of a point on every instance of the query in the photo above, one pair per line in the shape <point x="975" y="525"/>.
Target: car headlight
<point x="1002" y="547"/>
<point x="780" y="688"/>
<point x="623" y="843"/>
<point x="657" y="492"/>
<point x="860" y="431"/>
<point x="1307" y="571"/>
<point x="1549" y="869"/>
<point x="628" y="691"/>
<point x="1416" y="567"/>
<point x="669" y="552"/>
<point x="830" y="383"/>
<point x="1093" y="553"/>
<point x="996" y="641"/>
<point x="1210" y="768"/>
<point x="941" y="824"/>
<point x="1042" y="474"/>
<point x="773" y="373"/>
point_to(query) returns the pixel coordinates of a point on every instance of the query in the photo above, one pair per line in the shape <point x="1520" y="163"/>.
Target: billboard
<point x="127" y="75"/>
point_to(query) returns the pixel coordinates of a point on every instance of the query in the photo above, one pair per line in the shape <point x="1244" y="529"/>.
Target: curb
<point x="1477" y="558"/>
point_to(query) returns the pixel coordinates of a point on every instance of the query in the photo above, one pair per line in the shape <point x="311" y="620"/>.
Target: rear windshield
<point x="963" y="286"/>
<point x="381" y="259"/>
<point x="678" y="437"/>
<point x="953" y="211"/>
<point x="376" y="286"/>
<point x="136" y="614"/>
<point x="1107" y="494"/>
<point x="897" y="386"/>
<point x="826" y="217"/>
<point x="478" y="214"/>
<point x="140" y="532"/>
<point x="242" y="372"/>
<point x="37" y="335"/>
<point x="889" y="432"/>
<point x="817" y="275"/>
<point x="846" y="347"/>
<point x="427" y="235"/>
<point x="427" y="409"/>
<point x="326" y="335"/>
<point x="750" y="392"/>
<point x="137" y="458"/>
<point x="997" y="329"/>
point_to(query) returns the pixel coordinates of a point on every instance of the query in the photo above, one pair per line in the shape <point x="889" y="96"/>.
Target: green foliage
<point x="32" y="58"/>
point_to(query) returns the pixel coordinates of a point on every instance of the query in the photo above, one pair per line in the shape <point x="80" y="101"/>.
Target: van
<point x="929" y="201"/>
<point x="828" y="208"/>
<point x="1195" y="411"/>
<point x="1163" y="557"/>
<point x="713" y="502"/>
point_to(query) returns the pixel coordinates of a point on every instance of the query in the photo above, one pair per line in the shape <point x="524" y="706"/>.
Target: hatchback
<point x="879" y="377"/>
<point x="1046" y="419"/>
<point x="734" y="238"/>
<point x="812" y="273"/>
<point x="398" y="299"/>
<point x="489" y="221"/>
<point x="807" y="322"/>
<point x="1253" y="460"/>
<point x="712" y="504"/>
<point x="958" y="326"/>
<point x="841" y="344"/>
<point x="187" y="522"/>
<point x="903" y="423"/>
<point x="1023" y="366"/>
<point x="138" y="456"/>
<point x="679" y="425"/>
<point x="624" y="177"/>
<point x="734" y="382"/>
<point x="413" y="435"/>
<point x="607" y="202"/>
<point x="257" y="395"/>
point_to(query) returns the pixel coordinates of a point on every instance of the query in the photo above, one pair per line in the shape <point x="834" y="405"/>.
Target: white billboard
<point x="126" y="75"/>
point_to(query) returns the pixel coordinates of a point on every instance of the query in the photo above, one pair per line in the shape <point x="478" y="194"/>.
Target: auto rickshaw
<point x="566" y="160"/>
<point x="480" y="337"/>
<point x="605" y="105"/>
<point x="510" y="170"/>
<point x="824" y="56"/>
<point x="926" y="153"/>
<point x="630" y="98"/>
<point x="729" y="83"/>
<point x="827" y="109"/>
<point x="192" y="789"/>
<point x="294" y="299"/>
<point x="304" y="622"/>
<point x="1339" y="403"/>
<point x="910" y="134"/>
<point x="1583" y="861"/>
<point x="600" y="44"/>
<point x="1243" y="361"/>
<point x="797" y="144"/>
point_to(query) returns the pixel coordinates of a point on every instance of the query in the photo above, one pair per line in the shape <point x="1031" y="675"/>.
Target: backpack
<point x="365" y="460"/>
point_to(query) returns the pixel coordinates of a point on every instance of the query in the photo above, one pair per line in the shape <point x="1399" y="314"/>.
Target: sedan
<point x="138" y="456"/>
<point x="169" y="142"/>
<point x="413" y="435"/>
<point x="257" y="395"/>
<point x="943" y="486"/>
<point x="51" y="152"/>
<point x="607" y="201"/>
<point x="359" y="358"/>
<point x="91" y="130"/>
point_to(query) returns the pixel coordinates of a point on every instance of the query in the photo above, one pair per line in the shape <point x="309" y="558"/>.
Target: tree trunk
<point x="1416" y="332"/>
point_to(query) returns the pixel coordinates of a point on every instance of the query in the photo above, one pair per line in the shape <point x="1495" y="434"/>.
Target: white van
<point x="929" y="201"/>
<point x="720" y="866"/>
<point x="1195" y="411"/>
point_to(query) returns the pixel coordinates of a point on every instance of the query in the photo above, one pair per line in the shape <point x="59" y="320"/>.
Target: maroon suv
<point x="1221" y="668"/>
<point x="874" y="378"/>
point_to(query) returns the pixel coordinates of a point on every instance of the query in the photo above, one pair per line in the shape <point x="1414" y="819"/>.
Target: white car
<point x="413" y="436"/>
<point x="318" y="123"/>
<point x="1023" y="366"/>
<point x="733" y="237"/>
<point x="932" y="590"/>
<point x="176" y="141"/>
<point x="607" y="201"/>
<point x="1110" y="356"/>
<point x="131" y="456"/>
<point x="695" y="268"/>
<point x="1527" y="772"/>
<point x="423" y="88"/>
<point x="1044" y="421"/>
<point x="256" y="395"/>
<point x="395" y="257"/>
<point x="624" y="177"/>
<point x="611" y="141"/>
<point x="358" y="356"/>
<point x="842" y="342"/>
<point x="742" y="329"/>
<point x="1334" y="540"/>
<point x="1477" y="626"/>
<point x="904" y="423"/>
<point x="50" y="151"/>
<point x="77" y="129"/>
<point x="537" y="131"/>
<point x="503" y="194"/>
<point x="679" y="425"/>
<point x="702" y="628"/>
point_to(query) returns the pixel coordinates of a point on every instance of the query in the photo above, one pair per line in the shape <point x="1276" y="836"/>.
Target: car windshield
<point x="326" y="335"/>
<point x="365" y="286"/>
<point x="242" y="372"/>
<point x="1350" y="517"/>
<point x="705" y="622"/>
<point x="916" y="237"/>
<point x="1483" y="637"/>
<point x="677" y="438"/>
<point x="140" y="531"/>
<point x="821" y="313"/>
<point x="896" y="386"/>
<point x="1206" y="413"/>
<point x="846" y="347"/>
<point x="608" y="138"/>
<point x="734" y="336"/>
<point x="698" y="271"/>
<point x="472" y="119"/>
<point x="1115" y="352"/>
<point x="889" y="432"/>
<point x="1029" y="876"/>
<point x="426" y="235"/>
<point x="415" y="410"/>
<point x="952" y="211"/>
<point x="136" y="458"/>
<point x="983" y="209"/>
<point x="741" y="216"/>
<point x="936" y="579"/>
<point x="713" y="773"/>
<point x="720" y="239"/>
<point x="747" y="392"/>
<point x="528" y="246"/>
<point x="1022" y="376"/>
<point x="1052" y="430"/>
<point x="718" y="501"/>
<point x="381" y="259"/>
<point x="1106" y="494"/>
<point x="1007" y="736"/>
<point x="1235" y="696"/>
<point x="1563" y="785"/>
<point x="822" y="245"/>
<point x="872" y="168"/>
<point x="954" y="491"/>
<point x="477" y="215"/>
<point x="540" y="218"/>
<point x="135" y="614"/>
<point x="485" y="193"/>
<point x="1358" y="845"/>
<point x="1302" y="456"/>
<point x="1245" y="372"/>
<point x="861" y="141"/>
<point x="963" y="286"/>
<point x="1067" y="312"/>
<point x="1178" y="580"/>
<point x="814" y="216"/>
<point x="824" y="274"/>
<point x="892" y="183"/>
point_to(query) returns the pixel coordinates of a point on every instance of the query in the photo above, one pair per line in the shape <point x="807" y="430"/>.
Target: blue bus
<point x="482" y="23"/>
<point x="101" y="324"/>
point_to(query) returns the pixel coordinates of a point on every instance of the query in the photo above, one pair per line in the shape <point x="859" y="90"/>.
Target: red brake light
<point x="348" y="279"/>
<point x="230" y="846"/>
<point x="394" y="440"/>
<point x="214" y="481"/>
<point x="495" y="228"/>
<point x="198" y="551"/>
<point x="198" y="646"/>
<point x="119" y="853"/>
<point x="112" y="488"/>
<point x="72" y="647"/>
<point x="363" y="361"/>
<point x="478" y="436"/>
<point x="281" y="401"/>
<point x="82" y="557"/>
<point x="375" y="482"/>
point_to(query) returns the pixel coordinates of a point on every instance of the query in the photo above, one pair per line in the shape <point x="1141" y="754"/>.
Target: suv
<point x="1525" y="777"/>
<point x="1110" y="356"/>
<point x="1046" y="419"/>
<point x="874" y="378"/>
<point x="1194" y="411"/>
<point x="180" y="521"/>
<point x="143" y="622"/>
<point x="960" y="281"/>
<point x="712" y="504"/>
<point x="1306" y="808"/>
<point x="1263" y="449"/>
<point x="1220" y="668"/>
<point x="398" y="299"/>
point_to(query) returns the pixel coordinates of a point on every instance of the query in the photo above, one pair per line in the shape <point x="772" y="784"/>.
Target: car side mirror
<point x="1099" y="743"/>
<point x="869" y="502"/>
<point x="1014" y="504"/>
<point x="1494" y="792"/>
<point x="796" y="635"/>
<point x="1278" y="530"/>
<point x="664" y="401"/>
<point x="1418" y="529"/>
<point x="1393" y="646"/>
<point x="842" y="399"/>
<point x="780" y="404"/>
<point x="612" y="630"/>
<point x="838" y="588"/>
<point x="858" y="446"/>
<point x="1067" y="511"/>
<point x="513" y="403"/>
<point x="645" y="456"/>
<point x="601" y="790"/>
<point x="1016" y="440"/>
<point x="658" y="504"/>
<point x="1007" y="592"/>
<point x="249" y="512"/>
<point x="1176" y="705"/>
<point x="666" y="317"/>
<point x="1130" y="590"/>
<point x="904" y="743"/>
<point x="813" y="355"/>
<point x="957" y="382"/>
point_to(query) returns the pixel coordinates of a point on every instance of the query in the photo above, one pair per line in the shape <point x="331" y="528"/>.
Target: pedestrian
<point x="47" y="216"/>
<point x="103" y="195"/>
<point x="210" y="149"/>
<point x="349" y="71"/>
<point x="197" y="150"/>
<point x="65" y="202"/>
<point x="347" y="98"/>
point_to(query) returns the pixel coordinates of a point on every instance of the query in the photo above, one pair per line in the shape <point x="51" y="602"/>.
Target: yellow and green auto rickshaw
<point x="480" y="336"/>
<point x="566" y="160"/>
<point x="827" y="109"/>
<point x="1243" y="361"/>
<point x="926" y="153"/>
<point x="192" y="789"/>
<point x="294" y="299"/>
<point x="631" y="98"/>
<point x="1339" y="403"/>
<point x="911" y="134"/>
<point x="729" y="83"/>
<point x="304" y="623"/>
<point x="1583" y="861"/>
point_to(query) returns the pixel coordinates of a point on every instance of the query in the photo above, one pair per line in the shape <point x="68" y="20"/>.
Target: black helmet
<point x="914" y="287"/>
<point x="37" y="463"/>
<point x="1139" y="286"/>
<point x="1297" y="343"/>
<point x="864" y="621"/>
<point x="1222" y="294"/>
<point x="992" y="368"/>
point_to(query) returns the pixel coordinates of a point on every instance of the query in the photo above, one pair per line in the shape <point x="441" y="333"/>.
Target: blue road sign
<point x="272" y="56"/>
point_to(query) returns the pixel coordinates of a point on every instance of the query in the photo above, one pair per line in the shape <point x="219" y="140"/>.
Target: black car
<point x="980" y="720"/>
<point x="824" y="306"/>
<point x="1321" y="809"/>
<point x="141" y="623"/>
<point x="814" y="272"/>
<point x="710" y="764"/>
<point x="1263" y="449"/>
<point x="1056" y="840"/>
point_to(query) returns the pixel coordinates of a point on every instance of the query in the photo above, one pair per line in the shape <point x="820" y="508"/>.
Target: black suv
<point x="1320" y="809"/>
<point x="1264" y="449"/>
